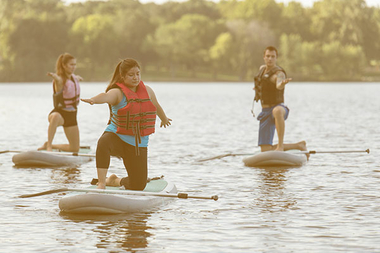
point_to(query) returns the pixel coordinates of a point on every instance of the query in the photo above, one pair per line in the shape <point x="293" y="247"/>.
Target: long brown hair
<point x="63" y="59"/>
<point x="121" y="70"/>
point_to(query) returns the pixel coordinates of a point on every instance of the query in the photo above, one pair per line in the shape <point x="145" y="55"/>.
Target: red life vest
<point x="138" y="117"/>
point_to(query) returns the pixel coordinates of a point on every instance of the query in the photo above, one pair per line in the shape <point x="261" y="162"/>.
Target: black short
<point x="69" y="117"/>
<point x="109" y="144"/>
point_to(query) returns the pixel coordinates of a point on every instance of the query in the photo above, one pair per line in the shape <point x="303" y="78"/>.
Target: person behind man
<point x="269" y="89"/>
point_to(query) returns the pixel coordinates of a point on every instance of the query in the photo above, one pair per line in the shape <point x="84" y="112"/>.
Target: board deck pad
<point x="82" y="150"/>
<point x="152" y="186"/>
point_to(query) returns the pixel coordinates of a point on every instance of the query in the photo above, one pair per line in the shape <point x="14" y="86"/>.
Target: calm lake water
<point x="331" y="204"/>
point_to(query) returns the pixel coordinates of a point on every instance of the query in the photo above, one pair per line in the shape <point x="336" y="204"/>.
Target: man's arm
<point x="281" y="80"/>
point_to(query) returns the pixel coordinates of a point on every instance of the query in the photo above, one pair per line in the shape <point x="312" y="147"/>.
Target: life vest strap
<point x="72" y="98"/>
<point x="129" y="115"/>
<point x="142" y="127"/>
<point x="136" y="133"/>
<point x="138" y="100"/>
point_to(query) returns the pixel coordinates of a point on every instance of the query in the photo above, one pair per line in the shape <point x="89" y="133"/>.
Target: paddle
<point x="137" y="193"/>
<point x="50" y="152"/>
<point x="221" y="156"/>
<point x="333" y="152"/>
<point x="300" y="152"/>
<point x="20" y="151"/>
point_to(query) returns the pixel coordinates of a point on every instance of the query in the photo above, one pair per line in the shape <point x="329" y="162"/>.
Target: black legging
<point x="109" y="144"/>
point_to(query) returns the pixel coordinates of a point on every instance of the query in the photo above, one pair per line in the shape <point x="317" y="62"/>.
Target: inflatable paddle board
<point x="52" y="159"/>
<point x="275" y="159"/>
<point x="113" y="203"/>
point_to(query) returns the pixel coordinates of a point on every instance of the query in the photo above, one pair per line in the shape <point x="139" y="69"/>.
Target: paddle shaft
<point x="221" y="156"/>
<point x="50" y="152"/>
<point x="334" y="152"/>
<point x="136" y="193"/>
<point x="301" y="152"/>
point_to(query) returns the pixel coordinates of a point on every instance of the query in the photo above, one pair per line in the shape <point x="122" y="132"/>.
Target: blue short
<point x="267" y="124"/>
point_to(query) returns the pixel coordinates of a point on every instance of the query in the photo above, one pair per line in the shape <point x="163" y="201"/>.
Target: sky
<point x="305" y="3"/>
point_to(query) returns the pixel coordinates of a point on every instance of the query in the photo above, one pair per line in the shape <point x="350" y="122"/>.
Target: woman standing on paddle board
<point x="133" y="109"/>
<point x="66" y="99"/>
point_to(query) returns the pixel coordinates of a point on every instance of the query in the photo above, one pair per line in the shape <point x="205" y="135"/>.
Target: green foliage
<point x="187" y="40"/>
<point x="333" y="40"/>
<point x="93" y="43"/>
<point x="341" y="62"/>
<point x="322" y="61"/>
<point x="263" y="11"/>
<point x="296" y="20"/>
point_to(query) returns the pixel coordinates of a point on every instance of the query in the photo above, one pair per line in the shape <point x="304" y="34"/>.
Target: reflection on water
<point x="65" y="176"/>
<point x="273" y="196"/>
<point x="127" y="232"/>
<point x="59" y="175"/>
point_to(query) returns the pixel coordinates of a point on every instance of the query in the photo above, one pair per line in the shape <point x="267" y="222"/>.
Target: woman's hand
<point x="88" y="100"/>
<point x="165" y="123"/>
<point x="54" y="76"/>
<point x="79" y="78"/>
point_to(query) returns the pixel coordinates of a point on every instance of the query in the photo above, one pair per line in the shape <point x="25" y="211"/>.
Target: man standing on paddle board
<point x="269" y="89"/>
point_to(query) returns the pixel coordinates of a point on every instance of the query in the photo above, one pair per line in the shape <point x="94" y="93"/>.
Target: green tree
<point x="94" y="42"/>
<point x="296" y="20"/>
<point x="186" y="41"/>
<point x="264" y="11"/>
<point x="30" y="32"/>
<point x="300" y="59"/>
<point x="339" y="20"/>
<point x="341" y="62"/>
<point x="220" y="53"/>
<point x="290" y="53"/>
<point x="132" y="26"/>
<point x="35" y="46"/>
<point x="249" y="41"/>
<point x="36" y="34"/>
<point x="173" y="11"/>
<point x="351" y="22"/>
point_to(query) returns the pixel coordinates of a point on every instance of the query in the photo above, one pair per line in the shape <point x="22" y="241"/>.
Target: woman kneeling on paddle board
<point x="133" y="109"/>
<point x="66" y="99"/>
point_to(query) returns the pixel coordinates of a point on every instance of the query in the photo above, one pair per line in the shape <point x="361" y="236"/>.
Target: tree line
<point x="197" y="40"/>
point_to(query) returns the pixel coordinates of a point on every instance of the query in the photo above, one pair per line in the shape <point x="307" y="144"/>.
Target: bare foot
<point x="302" y="147"/>
<point x="279" y="148"/>
<point x="43" y="147"/>
<point x="46" y="147"/>
<point x="112" y="181"/>
<point x="101" y="186"/>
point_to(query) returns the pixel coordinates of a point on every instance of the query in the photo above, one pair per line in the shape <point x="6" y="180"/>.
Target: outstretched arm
<point x="58" y="82"/>
<point x="281" y="80"/>
<point x="112" y="97"/>
<point x="165" y="121"/>
<point x="79" y="78"/>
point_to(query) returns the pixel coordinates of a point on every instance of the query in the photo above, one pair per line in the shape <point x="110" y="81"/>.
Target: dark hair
<point x="121" y="70"/>
<point x="271" y="48"/>
<point x="63" y="59"/>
